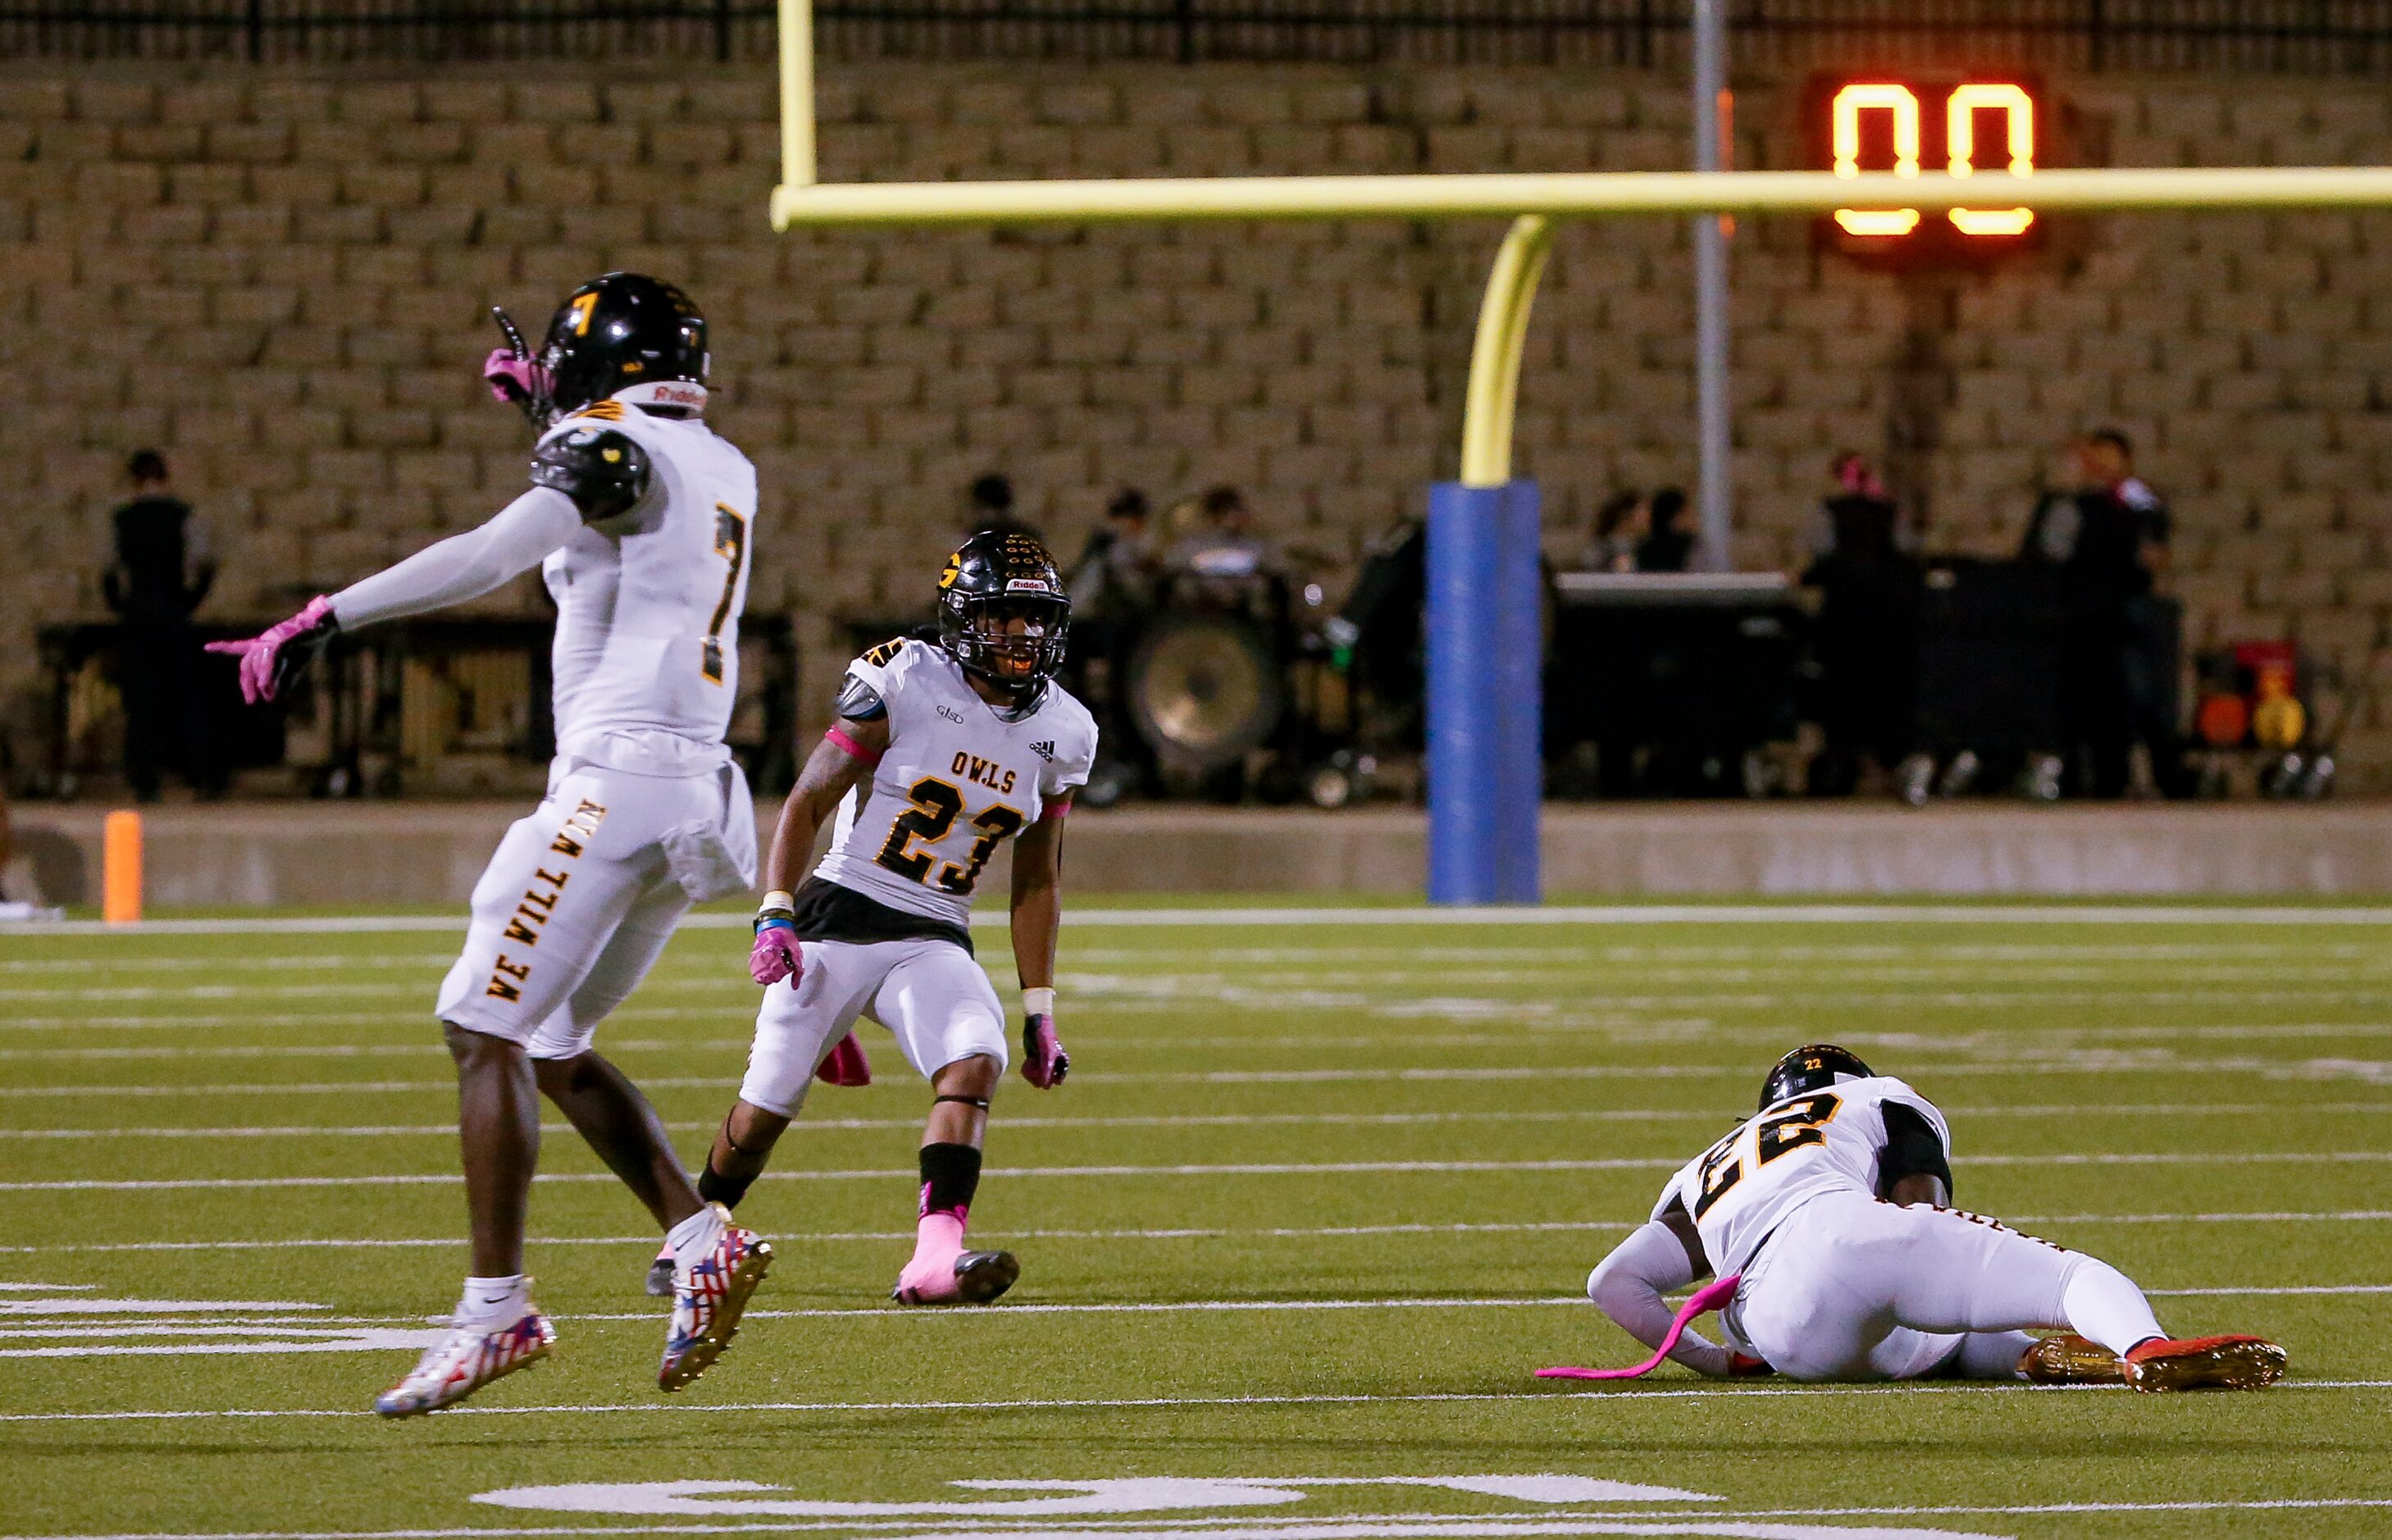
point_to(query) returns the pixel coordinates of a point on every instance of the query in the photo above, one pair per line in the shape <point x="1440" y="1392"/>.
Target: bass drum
<point x="1204" y="691"/>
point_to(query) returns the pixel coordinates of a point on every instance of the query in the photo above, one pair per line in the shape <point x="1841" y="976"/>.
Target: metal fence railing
<point x="2300" y="38"/>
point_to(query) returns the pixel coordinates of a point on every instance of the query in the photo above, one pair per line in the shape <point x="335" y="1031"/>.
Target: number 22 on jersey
<point x="1778" y="1135"/>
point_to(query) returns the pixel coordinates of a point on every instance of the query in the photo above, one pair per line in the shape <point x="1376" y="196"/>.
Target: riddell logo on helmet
<point x="1028" y="585"/>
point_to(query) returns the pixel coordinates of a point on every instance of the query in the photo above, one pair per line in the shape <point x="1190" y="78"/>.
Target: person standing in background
<point x="1866" y="637"/>
<point x="2109" y="537"/>
<point x="161" y="563"/>
<point x="1619" y="527"/>
<point x="1669" y="533"/>
<point x="992" y="508"/>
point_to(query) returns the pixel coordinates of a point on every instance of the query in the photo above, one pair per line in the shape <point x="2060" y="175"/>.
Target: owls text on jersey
<point x="646" y="655"/>
<point x="1739" y="1190"/>
<point x="959" y="780"/>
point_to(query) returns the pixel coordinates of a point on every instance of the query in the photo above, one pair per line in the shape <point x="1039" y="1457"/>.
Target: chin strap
<point x="514" y="375"/>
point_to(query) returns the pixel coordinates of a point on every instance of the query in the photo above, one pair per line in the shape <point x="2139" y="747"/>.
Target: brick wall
<point x="280" y="276"/>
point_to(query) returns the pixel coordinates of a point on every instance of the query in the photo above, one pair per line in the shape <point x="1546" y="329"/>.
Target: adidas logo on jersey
<point x="1045" y="751"/>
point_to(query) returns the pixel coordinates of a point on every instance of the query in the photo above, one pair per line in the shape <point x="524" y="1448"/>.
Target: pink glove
<point x="846" y="1065"/>
<point x="1043" y="1062"/>
<point x="270" y="661"/>
<point x="776" y="955"/>
<point x="512" y="379"/>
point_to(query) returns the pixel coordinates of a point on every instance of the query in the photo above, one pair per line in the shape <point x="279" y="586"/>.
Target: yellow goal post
<point x="1531" y="199"/>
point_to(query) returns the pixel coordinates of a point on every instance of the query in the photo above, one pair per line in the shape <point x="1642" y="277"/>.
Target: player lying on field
<point x="639" y="517"/>
<point x="1830" y="1206"/>
<point x="940" y="755"/>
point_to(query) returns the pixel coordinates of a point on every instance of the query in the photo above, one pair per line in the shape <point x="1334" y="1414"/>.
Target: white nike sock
<point x="2103" y="1303"/>
<point x="695" y="1236"/>
<point x="494" y="1301"/>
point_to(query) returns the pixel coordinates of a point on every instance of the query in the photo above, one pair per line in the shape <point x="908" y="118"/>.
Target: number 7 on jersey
<point x="731" y="543"/>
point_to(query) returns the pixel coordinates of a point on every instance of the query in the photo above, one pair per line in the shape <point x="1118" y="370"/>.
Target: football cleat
<point x="660" y="1274"/>
<point x="707" y="1299"/>
<point x="2069" y="1359"/>
<point x="976" y="1278"/>
<point x="464" y="1361"/>
<point x="2204" y="1363"/>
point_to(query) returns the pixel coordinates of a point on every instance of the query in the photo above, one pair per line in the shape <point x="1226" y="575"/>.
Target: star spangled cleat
<point x="464" y="1361"/>
<point x="2204" y="1363"/>
<point x="976" y="1278"/>
<point x="707" y="1299"/>
<point x="2068" y="1359"/>
<point x="660" y="1274"/>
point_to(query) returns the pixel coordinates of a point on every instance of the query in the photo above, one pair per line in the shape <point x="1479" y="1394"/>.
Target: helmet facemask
<point x="1014" y="643"/>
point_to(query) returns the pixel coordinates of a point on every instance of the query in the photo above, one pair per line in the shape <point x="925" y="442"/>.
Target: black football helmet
<point x="1815" y="1067"/>
<point x="615" y="332"/>
<point x="994" y="579"/>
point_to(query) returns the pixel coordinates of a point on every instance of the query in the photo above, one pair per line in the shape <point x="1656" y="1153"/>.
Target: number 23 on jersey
<point x="937" y="804"/>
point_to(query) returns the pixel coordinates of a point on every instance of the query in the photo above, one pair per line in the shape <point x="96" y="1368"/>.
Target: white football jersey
<point x="958" y="780"/>
<point x="646" y="657"/>
<point x="1827" y="1141"/>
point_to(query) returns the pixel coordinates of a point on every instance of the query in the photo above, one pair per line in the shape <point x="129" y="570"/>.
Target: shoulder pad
<point x="859" y="701"/>
<point x="603" y="471"/>
<point x="886" y="653"/>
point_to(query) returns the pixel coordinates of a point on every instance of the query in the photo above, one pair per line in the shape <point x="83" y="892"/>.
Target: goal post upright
<point x="1484" y="698"/>
<point x="799" y="166"/>
<point x="1484" y="618"/>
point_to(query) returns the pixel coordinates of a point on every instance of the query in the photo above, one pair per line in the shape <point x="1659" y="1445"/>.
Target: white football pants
<point x="929" y="994"/>
<point x="580" y="897"/>
<point x="1851" y="1288"/>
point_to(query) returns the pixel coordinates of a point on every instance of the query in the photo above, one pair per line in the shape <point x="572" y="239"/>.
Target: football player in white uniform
<point x="1830" y="1206"/>
<point x="640" y="521"/>
<point x="940" y="753"/>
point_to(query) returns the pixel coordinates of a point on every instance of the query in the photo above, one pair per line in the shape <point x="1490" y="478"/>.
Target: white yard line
<point x="1572" y="1519"/>
<point x="428" y="1048"/>
<point x="1526" y="1227"/>
<point x="1227" y="1120"/>
<point x="247" y="962"/>
<point x="2088" y="1062"/>
<point x="1749" y="1388"/>
<point x="1291" y="1167"/>
<point x="1283" y="918"/>
<point x="1212" y="1306"/>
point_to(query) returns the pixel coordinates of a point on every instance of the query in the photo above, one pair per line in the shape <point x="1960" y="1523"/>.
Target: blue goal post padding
<point x="1486" y="698"/>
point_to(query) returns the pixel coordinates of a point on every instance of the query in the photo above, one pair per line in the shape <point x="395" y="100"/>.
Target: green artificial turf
<point x="2204" y="1104"/>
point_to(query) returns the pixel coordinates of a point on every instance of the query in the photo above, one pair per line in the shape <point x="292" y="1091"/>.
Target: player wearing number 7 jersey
<point x="640" y="520"/>
<point x="940" y="753"/>
<point x="1824" y="1215"/>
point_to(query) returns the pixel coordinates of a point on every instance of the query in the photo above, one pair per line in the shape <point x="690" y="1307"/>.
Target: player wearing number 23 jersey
<point x="1827" y="1207"/>
<point x="639" y="519"/>
<point x="943" y="752"/>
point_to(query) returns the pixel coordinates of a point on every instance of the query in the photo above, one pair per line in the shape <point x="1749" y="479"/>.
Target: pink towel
<point x="1707" y="1298"/>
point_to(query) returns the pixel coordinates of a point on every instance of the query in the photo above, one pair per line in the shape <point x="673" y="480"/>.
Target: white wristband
<point x="776" y="899"/>
<point x="1038" y="1002"/>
